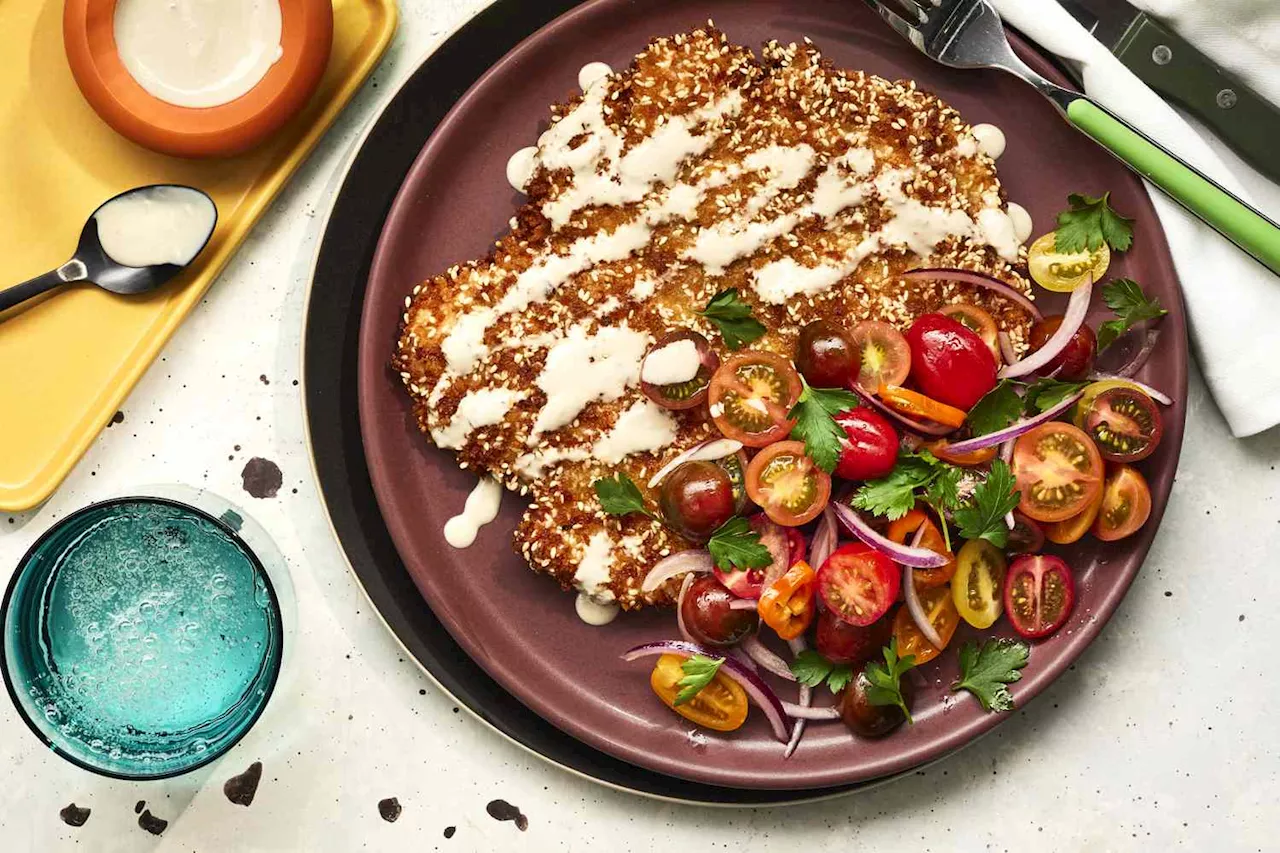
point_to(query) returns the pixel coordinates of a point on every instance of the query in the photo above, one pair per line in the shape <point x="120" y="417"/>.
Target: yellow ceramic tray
<point x="67" y="363"/>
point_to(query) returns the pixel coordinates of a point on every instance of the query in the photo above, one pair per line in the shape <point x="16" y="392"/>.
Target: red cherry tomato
<point x="1126" y="505"/>
<point x="870" y="447"/>
<point x="1026" y="537"/>
<point x="950" y="363"/>
<point x="787" y="484"/>
<point x="858" y="585"/>
<point x="840" y="642"/>
<point x="749" y="583"/>
<point x="709" y="617"/>
<point x="1039" y="593"/>
<point x="751" y="397"/>
<point x="1076" y="360"/>
<point x="697" y="498"/>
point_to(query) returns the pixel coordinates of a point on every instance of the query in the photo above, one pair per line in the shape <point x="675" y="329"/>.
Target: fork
<point x="969" y="34"/>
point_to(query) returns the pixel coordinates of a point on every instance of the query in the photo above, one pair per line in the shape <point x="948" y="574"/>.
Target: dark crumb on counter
<point x="1241" y="615"/>
<point x="389" y="809"/>
<point x="261" y="478"/>
<point x="151" y="823"/>
<point x="139" y="806"/>
<point x="242" y="788"/>
<point x="264" y="380"/>
<point x="449" y="831"/>
<point x="117" y="418"/>
<point x="1168" y="594"/>
<point x="73" y="815"/>
<point x="502" y="810"/>
<point x="422" y="691"/>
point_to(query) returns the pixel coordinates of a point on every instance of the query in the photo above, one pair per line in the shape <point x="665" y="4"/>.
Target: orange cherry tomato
<point x="942" y="449"/>
<point x="977" y="321"/>
<point x="751" y="397"/>
<point x="786" y="605"/>
<point x="1058" y="470"/>
<point x="913" y="404"/>
<point x="1075" y="527"/>
<point x="941" y="609"/>
<point x="904" y="530"/>
<point x="721" y="705"/>
<point x="1126" y="504"/>
<point x="787" y="484"/>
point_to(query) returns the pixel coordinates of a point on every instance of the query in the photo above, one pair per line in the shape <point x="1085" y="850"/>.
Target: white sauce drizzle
<point x="481" y="508"/>
<point x="1022" y="224"/>
<point x="999" y="231"/>
<point x="643" y="428"/>
<point x="592" y="576"/>
<point x="591" y="72"/>
<point x="480" y="408"/>
<point x="583" y="368"/>
<point x="198" y="53"/>
<point x="593" y="612"/>
<point x="533" y="465"/>
<point x="676" y="362"/>
<point x="159" y="225"/>
<point x="520" y="168"/>
<point x="990" y="140"/>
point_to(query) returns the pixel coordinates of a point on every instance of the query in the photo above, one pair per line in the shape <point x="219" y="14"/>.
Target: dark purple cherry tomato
<point x="840" y="642"/>
<point x="1026" y="537"/>
<point x="870" y="446"/>
<point x="710" y="619"/>
<point x="697" y="498"/>
<point x="825" y="355"/>
<point x="690" y="391"/>
<point x="1073" y="363"/>
<point x="870" y="720"/>
<point x="950" y="363"/>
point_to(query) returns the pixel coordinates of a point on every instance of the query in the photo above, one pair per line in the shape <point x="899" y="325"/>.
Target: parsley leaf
<point x="1044" y="394"/>
<point x="619" y="496"/>
<point x="1132" y="307"/>
<point x="993" y="499"/>
<point x="944" y="491"/>
<point x="814" y="414"/>
<point x="883" y="679"/>
<point x="733" y="318"/>
<point x="1001" y="406"/>
<point x="985" y="672"/>
<point x="1089" y="223"/>
<point x="812" y="669"/>
<point x="698" y="673"/>
<point x="735" y="545"/>
<point x="894" y="495"/>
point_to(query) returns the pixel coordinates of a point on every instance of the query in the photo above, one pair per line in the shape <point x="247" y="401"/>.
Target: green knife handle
<point x="1175" y="69"/>
<point x="1231" y="217"/>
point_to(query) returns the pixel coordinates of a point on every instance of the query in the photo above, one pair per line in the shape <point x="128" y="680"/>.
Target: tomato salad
<point x="901" y="484"/>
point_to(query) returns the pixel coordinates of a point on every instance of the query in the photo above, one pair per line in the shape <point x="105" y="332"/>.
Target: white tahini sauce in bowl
<point x="158" y="225"/>
<point x="198" y="53"/>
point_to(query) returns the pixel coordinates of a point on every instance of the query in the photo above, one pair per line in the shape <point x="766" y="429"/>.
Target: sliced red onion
<point x="797" y="645"/>
<point x="1015" y="429"/>
<point x="981" y="280"/>
<point x="743" y="604"/>
<point x="1154" y="393"/>
<point x="825" y="539"/>
<point x="804" y="712"/>
<point x="684" y="588"/>
<point x="1006" y="348"/>
<point x="916" y="609"/>
<point x="1077" y="308"/>
<point x="741" y="657"/>
<point x="1139" y="359"/>
<point x="918" y="426"/>
<point x="695" y="561"/>
<point x="756" y="689"/>
<point x="708" y="451"/>
<point x="767" y="660"/>
<point x="916" y="558"/>
<point x="805" y="700"/>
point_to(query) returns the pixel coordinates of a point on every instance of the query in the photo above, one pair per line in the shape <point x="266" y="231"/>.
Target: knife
<point x="1177" y="71"/>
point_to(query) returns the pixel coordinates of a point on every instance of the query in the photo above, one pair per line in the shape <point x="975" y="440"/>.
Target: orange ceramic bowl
<point x="306" y="36"/>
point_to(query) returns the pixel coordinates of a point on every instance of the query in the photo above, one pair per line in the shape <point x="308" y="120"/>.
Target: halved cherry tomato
<point x="720" y="706"/>
<point x="1039" y="593"/>
<point x="751" y="396"/>
<point x="1026" y="537"/>
<point x="799" y="547"/>
<point x="1126" y="505"/>
<point x="916" y="405"/>
<point x="858" y="584"/>
<point x="942" y="449"/>
<point x="978" y="586"/>
<point x="1062" y="272"/>
<point x="870" y="446"/>
<point x="950" y="363"/>
<point x="826" y="356"/>
<point x="1091" y="393"/>
<point x="1058" y="470"/>
<point x="1124" y="423"/>
<point x="1074" y="528"/>
<point x="687" y="346"/>
<point x="977" y="321"/>
<point x="787" y="484"/>
<point x="787" y="605"/>
<point x="904" y="530"/>
<point x="749" y="583"/>
<point x="943" y="616"/>
<point x="884" y="356"/>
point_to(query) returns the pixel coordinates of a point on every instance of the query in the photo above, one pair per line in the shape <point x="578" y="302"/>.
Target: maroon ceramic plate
<point x="519" y="626"/>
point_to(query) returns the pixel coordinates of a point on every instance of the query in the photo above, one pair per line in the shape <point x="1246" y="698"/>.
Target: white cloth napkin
<point x="1233" y="303"/>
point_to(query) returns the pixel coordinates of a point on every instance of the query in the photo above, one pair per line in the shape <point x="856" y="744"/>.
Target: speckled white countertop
<point x="1161" y="737"/>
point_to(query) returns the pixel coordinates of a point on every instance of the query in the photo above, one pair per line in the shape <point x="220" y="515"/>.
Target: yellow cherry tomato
<point x="1063" y="272"/>
<point x="978" y="586"/>
<point x="720" y="706"/>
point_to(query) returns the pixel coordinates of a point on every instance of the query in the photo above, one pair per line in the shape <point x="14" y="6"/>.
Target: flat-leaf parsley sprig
<point x="815" y="416"/>
<point x="733" y="318"/>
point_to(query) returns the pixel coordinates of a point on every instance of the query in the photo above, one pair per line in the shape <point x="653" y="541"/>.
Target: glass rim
<point x="25" y="562"/>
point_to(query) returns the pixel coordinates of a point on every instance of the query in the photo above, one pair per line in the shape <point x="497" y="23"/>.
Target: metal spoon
<point x="91" y="262"/>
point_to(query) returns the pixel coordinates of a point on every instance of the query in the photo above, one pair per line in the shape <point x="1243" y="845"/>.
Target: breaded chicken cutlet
<point x="699" y="168"/>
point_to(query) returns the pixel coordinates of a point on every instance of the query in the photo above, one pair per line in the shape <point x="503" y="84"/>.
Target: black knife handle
<point x="1173" y="67"/>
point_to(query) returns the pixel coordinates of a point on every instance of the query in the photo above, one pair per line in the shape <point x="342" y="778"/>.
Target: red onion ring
<point x="684" y="588"/>
<point x="756" y="689"/>
<point x="981" y="280"/>
<point x="804" y="712"/>
<point x="825" y="539"/>
<point x="918" y="426"/>
<point x="766" y="659"/>
<point x="1015" y="429"/>
<point x="916" y="558"/>
<point x="1139" y="359"/>
<point x="805" y="700"/>
<point x="914" y="606"/>
<point x="1077" y="308"/>
<point x="695" y="561"/>
<point x="1006" y="454"/>
<point x="709" y="450"/>
<point x="1154" y="393"/>
<point x="1006" y="348"/>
